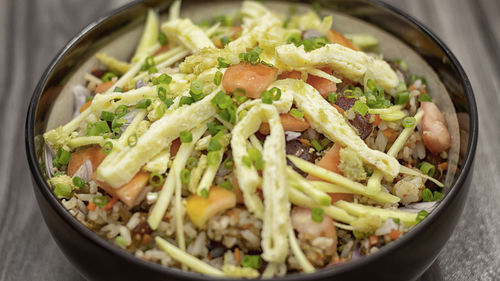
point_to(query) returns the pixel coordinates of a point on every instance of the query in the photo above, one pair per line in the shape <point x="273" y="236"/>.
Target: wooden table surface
<point x="32" y="32"/>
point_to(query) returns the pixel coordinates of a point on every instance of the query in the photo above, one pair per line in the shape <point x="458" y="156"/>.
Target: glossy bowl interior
<point x="404" y="259"/>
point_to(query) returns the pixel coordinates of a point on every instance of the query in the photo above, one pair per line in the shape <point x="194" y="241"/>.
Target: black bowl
<point x="405" y="259"/>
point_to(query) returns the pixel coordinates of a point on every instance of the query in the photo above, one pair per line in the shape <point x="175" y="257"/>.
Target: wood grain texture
<point x="32" y="32"/>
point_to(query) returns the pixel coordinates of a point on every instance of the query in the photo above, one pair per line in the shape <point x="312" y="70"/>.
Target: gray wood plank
<point x="31" y="33"/>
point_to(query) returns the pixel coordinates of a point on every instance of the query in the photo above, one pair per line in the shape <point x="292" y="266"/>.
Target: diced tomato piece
<point x="288" y="122"/>
<point x="324" y="86"/>
<point x="291" y="74"/>
<point x="101" y="88"/>
<point x="336" y="37"/>
<point x="254" y="79"/>
<point x="94" y="154"/>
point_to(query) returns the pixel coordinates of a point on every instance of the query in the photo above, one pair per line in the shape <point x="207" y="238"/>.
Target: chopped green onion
<point x="121" y="110"/>
<point x="222" y="100"/>
<point x="196" y="87"/>
<point x="247" y="161"/>
<point x="191" y="163"/>
<point x="62" y="157"/>
<point x="120" y="241"/>
<point x="421" y="215"/>
<point x="185" y="100"/>
<point x="107" y="116"/>
<point x="97" y="128"/>
<point x="162" y="79"/>
<point x="59" y="173"/>
<point x="276" y="93"/>
<point x="317" y="214"/>
<point x="229" y="114"/>
<point x="299" y="114"/>
<point x="225" y="40"/>
<point x="409" y="122"/>
<point x="162" y="38"/>
<point x="162" y="93"/>
<point x="223" y="63"/>
<point x="196" y="90"/>
<point x="259" y="164"/>
<point x="242" y="114"/>
<point x="229" y="163"/>
<point x="427" y="195"/>
<point x="62" y="190"/>
<point x="107" y="76"/>
<point x="295" y="39"/>
<point x="204" y="193"/>
<point x="156" y="179"/>
<point x="118" y="90"/>
<point x="100" y="201"/>
<point x="402" y="97"/>
<point x="360" y="108"/>
<point x="144" y="103"/>
<point x="412" y="79"/>
<point x="402" y="64"/>
<point x="117" y="123"/>
<point x="218" y="78"/>
<point x="241" y="98"/>
<point x="254" y="154"/>
<point x="161" y="108"/>
<point x="226" y="185"/>
<point x="332" y="97"/>
<point x="396" y="220"/>
<point x="267" y="97"/>
<point x="78" y="182"/>
<point x="370" y="84"/>
<point x="224" y="20"/>
<point x="214" y="128"/>
<point x="107" y="147"/>
<point x="313" y="43"/>
<point x="317" y="146"/>
<point x="186" y="136"/>
<point x="437" y="195"/>
<point x="424" y="97"/>
<point x="185" y="175"/>
<point x="427" y="168"/>
<point x="132" y="140"/>
<point x="252" y="261"/>
<point x="213" y="157"/>
<point x="214" y="145"/>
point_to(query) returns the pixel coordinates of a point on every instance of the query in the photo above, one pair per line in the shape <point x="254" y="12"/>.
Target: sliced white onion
<point x="417" y="207"/>
<point x="386" y="228"/>
<point x="85" y="171"/>
<point x="291" y="135"/>
<point x="81" y="94"/>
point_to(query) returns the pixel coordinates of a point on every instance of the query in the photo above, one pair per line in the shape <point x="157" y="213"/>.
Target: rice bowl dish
<point x="252" y="145"/>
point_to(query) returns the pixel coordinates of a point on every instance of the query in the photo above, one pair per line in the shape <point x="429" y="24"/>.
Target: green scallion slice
<point x="78" y="182"/>
<point x="107" y="147"/>
<point x="186" y="136"/>
<point x="252" y="261"/>
<point x="100" y="201"/>
<point x="427" y="168"/>
<point x="62" y="190"/>
<point x="299" y="114"/>
<point x="144" y="103"/>
<point x="409" y="122"/>
<point x="317" y="214"/>
<point x="185" y="175"/>
<point x="156" y="179"/>
<point x="218" y="78"/>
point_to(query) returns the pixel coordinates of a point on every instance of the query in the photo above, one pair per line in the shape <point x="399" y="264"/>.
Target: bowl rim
<point x="45" y="190"/>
